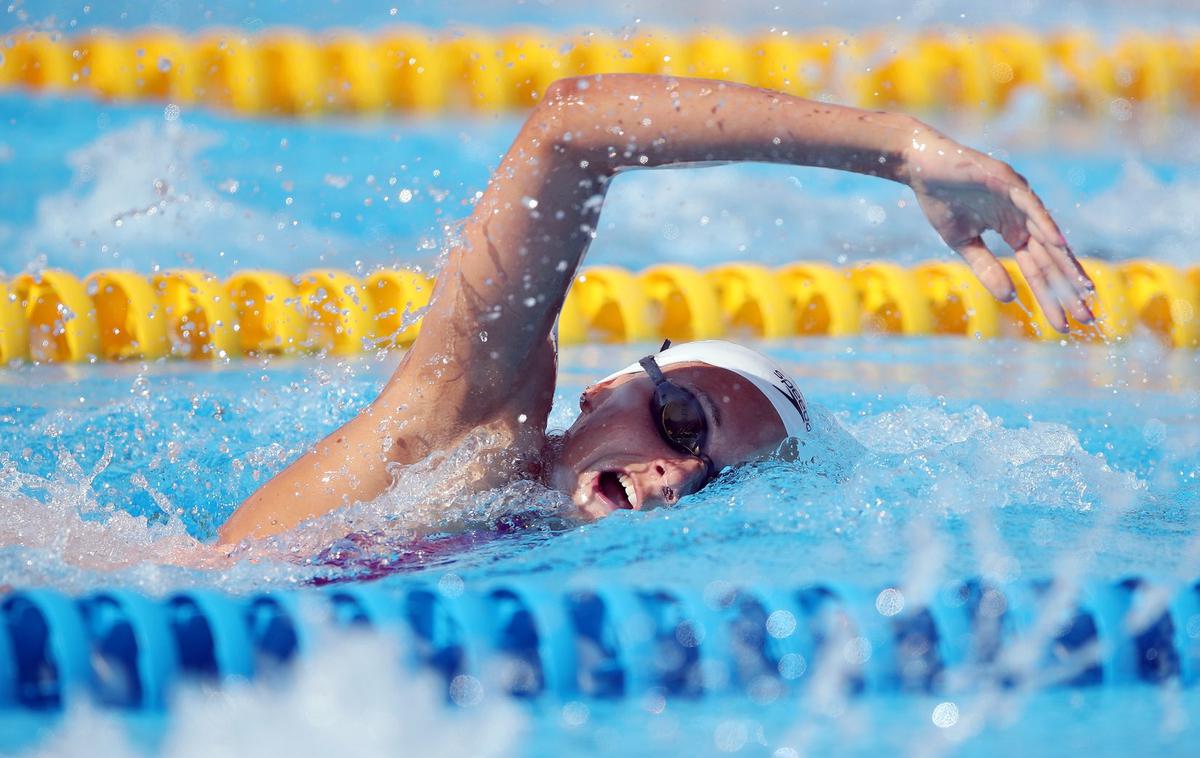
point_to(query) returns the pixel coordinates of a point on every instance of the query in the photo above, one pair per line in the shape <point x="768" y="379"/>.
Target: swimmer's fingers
<point x="987" y="269"/>
<point x="1041" y="227"/>
<point x="1066" y="262"/>
<point x="1063" y="286"/>
<point x="1039" y="278"/>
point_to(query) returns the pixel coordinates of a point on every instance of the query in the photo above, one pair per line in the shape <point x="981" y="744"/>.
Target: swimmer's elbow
<point x="566" y="123"/>
<point x="560" y="91"/>
<point x="553" y="114"/>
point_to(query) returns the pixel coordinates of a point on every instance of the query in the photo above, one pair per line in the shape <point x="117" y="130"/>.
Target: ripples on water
<point x="1002" y="460"/>
<point x="115" y="466"/>
<point x="949" y="474"/>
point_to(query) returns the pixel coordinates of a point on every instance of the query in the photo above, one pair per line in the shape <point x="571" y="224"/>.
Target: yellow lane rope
<point x="122" y="315"/>
<point x="289" y="72"/>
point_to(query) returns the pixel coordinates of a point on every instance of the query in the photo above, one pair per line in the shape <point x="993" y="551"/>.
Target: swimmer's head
<point x="662" y="428"/>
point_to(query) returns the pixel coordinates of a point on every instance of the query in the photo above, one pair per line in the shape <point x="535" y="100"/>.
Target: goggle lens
<point x="681" y="419"/>
<point x="678" y="415"/>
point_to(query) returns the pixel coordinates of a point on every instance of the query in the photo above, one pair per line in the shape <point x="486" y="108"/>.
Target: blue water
<point x="78" y="179"/>
<point x="1005" y="460"/>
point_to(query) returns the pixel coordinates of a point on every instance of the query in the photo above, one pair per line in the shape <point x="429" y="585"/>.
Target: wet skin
<point x="613" y="457"/>
<point x="508" y="271"/>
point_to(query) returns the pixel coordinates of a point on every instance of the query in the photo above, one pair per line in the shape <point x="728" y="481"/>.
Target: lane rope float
<point x="122" y="649"/>
<point x="122" y="315"/>
<point x="288" y="72"/>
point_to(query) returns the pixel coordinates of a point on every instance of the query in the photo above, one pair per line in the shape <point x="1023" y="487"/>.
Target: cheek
<point x="614" y="434"/>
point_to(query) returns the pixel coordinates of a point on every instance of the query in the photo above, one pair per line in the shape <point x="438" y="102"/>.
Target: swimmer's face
<point x="614" y="457"/>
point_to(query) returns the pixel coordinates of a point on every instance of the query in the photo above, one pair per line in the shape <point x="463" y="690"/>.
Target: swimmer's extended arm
<point x="496" y="299"/>
<point x="532" y="227"/>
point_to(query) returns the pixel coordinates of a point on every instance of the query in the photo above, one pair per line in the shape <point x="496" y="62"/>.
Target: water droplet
<point x="450" y="585"/>
<point x="529" y="202"/>
<point x="889" y="602"/>
<point x="781" y="624"/>
<point x="857" y="651"/>
<point x="792" y="666"/>
<point x="730" y="736"/>
<point x="164" y="64"/>
<point x="483" y="335"/>
<point x="466" y="690"/>
<point x="945" y="715"/>
<point x="575" y="713"/>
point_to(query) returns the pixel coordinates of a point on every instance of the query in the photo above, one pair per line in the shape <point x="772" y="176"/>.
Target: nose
<point x="668" y="479"/>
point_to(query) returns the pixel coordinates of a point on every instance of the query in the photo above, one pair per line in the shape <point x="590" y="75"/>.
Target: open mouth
<point x="616" y="489"/>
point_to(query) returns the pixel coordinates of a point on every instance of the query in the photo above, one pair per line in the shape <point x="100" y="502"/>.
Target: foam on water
<point x="351" y="696"/>
<point x="854" y="504"/>
<point x="1145" y="215"/>
<point x="139" y="197"/>
<point x="222" y="194"/>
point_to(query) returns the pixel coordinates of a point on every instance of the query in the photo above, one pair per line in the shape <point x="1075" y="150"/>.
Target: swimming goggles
<point x="678" y="415"/>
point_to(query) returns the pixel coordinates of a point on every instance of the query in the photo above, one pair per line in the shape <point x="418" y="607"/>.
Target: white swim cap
<point x="763" y="373"/>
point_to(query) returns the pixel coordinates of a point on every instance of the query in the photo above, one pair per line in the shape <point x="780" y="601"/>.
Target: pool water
<point x="1010" y="462"/>
<point x="1007" y="461"/>
<point x="958" y="436"/>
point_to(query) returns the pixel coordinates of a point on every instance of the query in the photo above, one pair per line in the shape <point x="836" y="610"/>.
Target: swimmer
<point x="659" y="430"/>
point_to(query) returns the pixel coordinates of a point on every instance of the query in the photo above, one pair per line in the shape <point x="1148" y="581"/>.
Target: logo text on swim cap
<point x="794" y="397"/>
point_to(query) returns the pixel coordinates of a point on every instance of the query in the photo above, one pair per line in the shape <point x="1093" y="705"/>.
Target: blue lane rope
<point x="126" y="650"/>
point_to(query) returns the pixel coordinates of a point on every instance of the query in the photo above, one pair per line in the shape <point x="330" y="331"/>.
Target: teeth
<point x="630" y="492"/>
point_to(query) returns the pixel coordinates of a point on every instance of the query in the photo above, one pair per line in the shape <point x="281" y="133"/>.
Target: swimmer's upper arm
<point x="504" y="284"/>
<point x="504" y="281"/>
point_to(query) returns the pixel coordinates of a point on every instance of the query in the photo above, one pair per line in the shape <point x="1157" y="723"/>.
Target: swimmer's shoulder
<point x="442" y="408"/>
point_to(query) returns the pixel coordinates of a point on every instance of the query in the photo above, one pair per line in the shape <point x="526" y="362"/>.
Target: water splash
<point x="55" y="532"/>
<point x="138" y="197"/>
<point x="969" y="459"/>
<point x="1003" y="497"/>
<point x="351" y="696"/>
<point x="1161" y="224"/>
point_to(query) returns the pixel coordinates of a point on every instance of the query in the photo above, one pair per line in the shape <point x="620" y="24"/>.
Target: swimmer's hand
<point x="964" y="192"/>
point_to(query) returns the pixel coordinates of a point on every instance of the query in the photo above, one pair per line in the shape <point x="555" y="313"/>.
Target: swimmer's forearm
<point x="618" y="121"/>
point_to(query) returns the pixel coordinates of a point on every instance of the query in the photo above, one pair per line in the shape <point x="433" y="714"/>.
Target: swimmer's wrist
<point x="885" y="144"/>
<point x="915" y="139"/>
